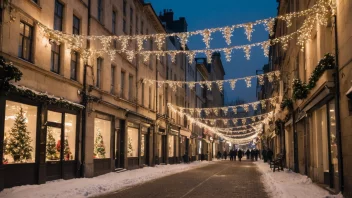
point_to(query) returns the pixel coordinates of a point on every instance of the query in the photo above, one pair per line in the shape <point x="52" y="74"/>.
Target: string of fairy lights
<point x="318" y="14"/>
<point x="216" y="110"/>
<point x="271" y="76"/>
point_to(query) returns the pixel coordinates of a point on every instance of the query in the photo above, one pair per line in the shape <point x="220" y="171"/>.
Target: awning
<point x="185" y="133"/>
<point x="322" y="96"/>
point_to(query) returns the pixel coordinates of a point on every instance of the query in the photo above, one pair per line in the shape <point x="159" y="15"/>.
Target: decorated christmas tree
<point x="50" y="145"/>
<point x="6" y="150"/>
<point x="130" y="148"/>
<point x="99" y="147"/>
<point x="67" y="151"/>
<point x="18" y="142"/>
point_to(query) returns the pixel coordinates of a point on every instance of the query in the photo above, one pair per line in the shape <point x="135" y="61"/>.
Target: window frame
<point x="114" y="22"/>
<point x="22" y="40"/>
<point x="57" y="16"/>
<point x="58" y="53"/>
<point x="100" y="13"/>
<point x="76" y="61"/>
<point x="76" y="30"/>
<point x="99" y="71"/>
<point x="112" y="80"/>
<point x="131" y="21"/>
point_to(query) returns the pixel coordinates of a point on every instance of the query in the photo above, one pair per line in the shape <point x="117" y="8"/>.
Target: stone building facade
<point x="87" y="118"/>
<point x="314" y="135"/>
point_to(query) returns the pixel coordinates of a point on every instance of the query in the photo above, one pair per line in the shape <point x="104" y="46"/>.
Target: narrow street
<point x="221" y="179"/>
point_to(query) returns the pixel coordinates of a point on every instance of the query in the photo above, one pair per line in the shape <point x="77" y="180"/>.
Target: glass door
<point x="53" y="153"/>
<point x="61" y="146"/>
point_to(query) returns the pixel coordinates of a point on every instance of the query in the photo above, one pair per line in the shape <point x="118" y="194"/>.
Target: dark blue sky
<point x="202" y="14"/>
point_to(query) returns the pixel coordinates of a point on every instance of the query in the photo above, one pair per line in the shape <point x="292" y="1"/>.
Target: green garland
<point x="301" y="89"/>
<point x="8" y="72"/>
<point x="287" y="102"/>
<point x="42" y="98"/>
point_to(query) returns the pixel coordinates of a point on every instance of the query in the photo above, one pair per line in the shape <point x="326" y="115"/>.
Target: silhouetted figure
<point x="240" y="154"/>
<point x="265" y="155"/>
<point x="270" y="155"/>
<point x="235" y="154"/>
<point x="231" y="155"/>
<point x="248" y="153"/>
<point x="219" y="155"/>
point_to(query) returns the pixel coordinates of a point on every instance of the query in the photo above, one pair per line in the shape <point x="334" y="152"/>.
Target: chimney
<point x="167" y="16"/>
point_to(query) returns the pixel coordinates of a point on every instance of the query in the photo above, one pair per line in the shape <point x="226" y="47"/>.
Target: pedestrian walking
<point x="270" y="155"/>
<point x="231" y="155"/>
<point x="248" y="153"/>
<point x="252" y="154"/>
<point x="265" y="155"/>
<point x="225" y="155"/>
<point x="219" y="155"/>
<point x="185" y="158"/>
<point x="235" y="154"/>
<point x="240" y="153"/>
<point x="256" y="154"/>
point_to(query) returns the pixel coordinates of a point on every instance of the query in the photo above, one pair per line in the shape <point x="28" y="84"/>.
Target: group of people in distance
<point x="252" y="154"/>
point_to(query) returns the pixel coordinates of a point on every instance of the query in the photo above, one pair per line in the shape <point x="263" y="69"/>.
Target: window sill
<point x="35" y="4"/>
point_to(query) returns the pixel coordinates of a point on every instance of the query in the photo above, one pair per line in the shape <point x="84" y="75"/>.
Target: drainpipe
<point x="337" y="109"/>
<point x="85" y="101"/>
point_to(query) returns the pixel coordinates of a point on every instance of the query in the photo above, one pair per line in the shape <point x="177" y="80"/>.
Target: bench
<point x="277" y="163"/>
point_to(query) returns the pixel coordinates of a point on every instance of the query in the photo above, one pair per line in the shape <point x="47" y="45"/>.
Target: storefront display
<point x="171" y="146"/>
<point x="159" y="145"/>
<point x="70" y="137"/>
<point x="102" y="135"/>
<point x="53" y="144"/>
<point x="20" y="133"/>
<point x="333" y="140"/>
<point x="132" y="142"/>
<point x="142" y="145"/>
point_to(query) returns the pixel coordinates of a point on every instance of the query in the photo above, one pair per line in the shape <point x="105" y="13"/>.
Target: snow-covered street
<point x="87" y="187"/>
<point x="287" y="184"/>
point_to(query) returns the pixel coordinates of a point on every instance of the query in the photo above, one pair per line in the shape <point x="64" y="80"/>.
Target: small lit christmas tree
<point x="18" y="143"/>
<point x="130" y="148"/>
<point x="67" y="151"/>
<point x="99" y="147"/>
<point x="50" y="145"/>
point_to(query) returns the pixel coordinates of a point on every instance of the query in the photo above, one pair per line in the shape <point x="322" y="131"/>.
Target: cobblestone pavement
<point x="221" y="179"/>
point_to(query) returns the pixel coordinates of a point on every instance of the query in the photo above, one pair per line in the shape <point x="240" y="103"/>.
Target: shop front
<point x="160" y="146"/>
<point x="173" y="145"/>
<point x="103" y="141"/>
<point x="138" y="138"/>
<point x="185" y="144"/>
<point x="40" y="140"/>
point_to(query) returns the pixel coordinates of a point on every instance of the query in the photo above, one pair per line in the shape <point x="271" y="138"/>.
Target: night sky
<point x="202" y="14"/>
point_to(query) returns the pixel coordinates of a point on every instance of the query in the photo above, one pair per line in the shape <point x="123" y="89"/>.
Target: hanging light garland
<point x="316" y="14"/>
<point x="209" y="84"/>
<point x="242" y="120"/>
<point x="159" y="39"/>
<point x="216" y="110"/>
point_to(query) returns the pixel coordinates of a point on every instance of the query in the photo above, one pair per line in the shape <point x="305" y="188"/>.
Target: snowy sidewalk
<point x="287" y="184"/>
<point x="87" y="187"/>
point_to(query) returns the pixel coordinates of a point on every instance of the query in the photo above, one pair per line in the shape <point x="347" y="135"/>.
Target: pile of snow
<point x="287" y="184"/>
<point x="86" y="187"/>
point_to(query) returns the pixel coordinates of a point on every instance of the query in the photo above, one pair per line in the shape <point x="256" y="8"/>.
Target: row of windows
<point x="100" y="8"/>
<point x="26" y="38"/>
